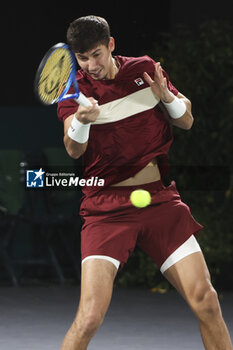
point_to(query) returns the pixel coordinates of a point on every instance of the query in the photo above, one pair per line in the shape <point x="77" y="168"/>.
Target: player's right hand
<point x="89" y="114"/>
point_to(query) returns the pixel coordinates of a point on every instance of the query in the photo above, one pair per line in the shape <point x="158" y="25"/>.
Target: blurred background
<point x="40" y="230"/>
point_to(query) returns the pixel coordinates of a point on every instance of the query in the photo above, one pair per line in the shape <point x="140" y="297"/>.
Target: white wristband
<point x="176" y="108"/>
<point x="79" y="132"/>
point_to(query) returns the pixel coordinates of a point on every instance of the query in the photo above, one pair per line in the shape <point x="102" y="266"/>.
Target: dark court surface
<point x="33" y="318"/>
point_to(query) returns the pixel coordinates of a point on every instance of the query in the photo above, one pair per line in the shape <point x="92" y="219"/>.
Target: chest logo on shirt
<point x="139" y="81"/>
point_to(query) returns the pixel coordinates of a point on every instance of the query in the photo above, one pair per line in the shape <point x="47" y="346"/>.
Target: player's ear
<point x="111" y="44"/>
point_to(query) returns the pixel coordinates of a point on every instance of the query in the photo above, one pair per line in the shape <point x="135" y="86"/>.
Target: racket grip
<point x="83" y="100"/>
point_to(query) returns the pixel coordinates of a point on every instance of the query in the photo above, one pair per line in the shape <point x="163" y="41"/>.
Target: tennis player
<point x="124" y="138"/>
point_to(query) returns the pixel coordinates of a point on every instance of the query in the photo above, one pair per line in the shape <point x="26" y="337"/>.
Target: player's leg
<point x="190" y="276"/>
<point x="96" y="291"/>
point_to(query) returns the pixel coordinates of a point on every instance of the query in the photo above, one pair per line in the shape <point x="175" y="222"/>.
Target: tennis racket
<point x="56" y="74"/>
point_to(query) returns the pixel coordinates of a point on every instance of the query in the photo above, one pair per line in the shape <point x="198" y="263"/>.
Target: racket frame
<point x="77" y="95"/>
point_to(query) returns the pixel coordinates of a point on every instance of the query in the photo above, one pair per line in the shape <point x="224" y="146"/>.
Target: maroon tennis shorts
<point x="113" y="226"/>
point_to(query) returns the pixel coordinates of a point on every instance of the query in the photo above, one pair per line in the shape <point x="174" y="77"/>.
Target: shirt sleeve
<point x="66" y="108"/>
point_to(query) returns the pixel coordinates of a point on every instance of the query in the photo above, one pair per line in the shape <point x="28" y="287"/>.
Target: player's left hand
<point x="159" y="84"/>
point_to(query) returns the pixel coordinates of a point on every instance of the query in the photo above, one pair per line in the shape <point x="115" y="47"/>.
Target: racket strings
<point x="55" y="75"/>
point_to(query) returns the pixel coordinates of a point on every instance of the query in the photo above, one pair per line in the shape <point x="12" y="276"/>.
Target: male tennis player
<point x="124" y="138"/>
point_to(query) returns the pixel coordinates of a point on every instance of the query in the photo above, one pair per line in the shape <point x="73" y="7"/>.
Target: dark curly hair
<point x="85" y="33"/>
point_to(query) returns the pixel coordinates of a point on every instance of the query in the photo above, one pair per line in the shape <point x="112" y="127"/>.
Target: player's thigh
<point x="190" y="276"/>
<point x="97" y="279"/>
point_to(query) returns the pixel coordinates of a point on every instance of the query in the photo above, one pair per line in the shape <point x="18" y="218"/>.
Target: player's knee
<point x="205" y="303"/>
<point x="92" y="323"/>
<point x="87" y="323"/>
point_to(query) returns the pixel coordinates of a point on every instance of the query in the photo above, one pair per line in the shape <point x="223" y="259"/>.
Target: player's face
<point x="98" y="62"/>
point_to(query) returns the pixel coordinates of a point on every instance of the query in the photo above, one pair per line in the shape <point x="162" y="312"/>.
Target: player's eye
<point x="83" y="59"/>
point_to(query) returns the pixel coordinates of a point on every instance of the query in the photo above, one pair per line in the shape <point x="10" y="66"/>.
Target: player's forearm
<point x="182" y="117"/>
<point x="76" y="135"/>
<point x="77" y="129"/>
<point x="185" y="121"/>
<point x="73" y="148"/>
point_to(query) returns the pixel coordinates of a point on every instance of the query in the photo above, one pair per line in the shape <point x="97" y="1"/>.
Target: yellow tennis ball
<point x="140" y="198"/>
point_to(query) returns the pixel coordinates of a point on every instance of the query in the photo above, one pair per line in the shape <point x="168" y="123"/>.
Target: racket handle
<point x="83" y="100"/>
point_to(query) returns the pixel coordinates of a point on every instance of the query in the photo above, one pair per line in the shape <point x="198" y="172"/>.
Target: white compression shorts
<point x="188" y="247"/>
